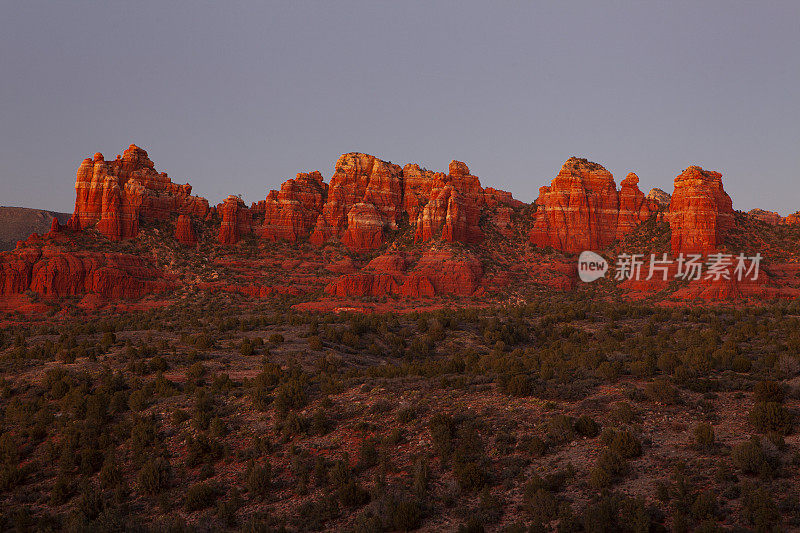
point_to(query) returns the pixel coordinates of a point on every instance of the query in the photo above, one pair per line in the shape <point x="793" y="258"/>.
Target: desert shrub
<point x="200" y="496"/>
<point x="616" y="512"/>
<point x="517" y="385"/>
<point x="741" y="364"/>
<point x="610" y="465"/>
<point x="315" y="343"/>
<point x="291" y="394"/>
<point x="704" y="506"/>
<point x="750" y="458"/>
<point x="587" y="427"/>
<point x="276" y="338"/>
<point x="704" y="436"/>
<point x="470" y="475"/>
<point x="154" y="476"/>
<point x="759" y="509"/>
<point x="769" y="391"/>
<point x="662" y="391"/>
<point x="623" y="412"/>
<point x="246" y="347"/>
<point x="202" y="449"/>
<point x="259" y="479"/>
<point x="541" y="505"/>
<point x="771" y="416"/>
<point x="625" y="444"/>
<point x="560" y="428"/>
<point x="404" y="513"/>
<point x="406" y="415"/>
<point x="367" y="455"/>
<point x="203" y="409"/>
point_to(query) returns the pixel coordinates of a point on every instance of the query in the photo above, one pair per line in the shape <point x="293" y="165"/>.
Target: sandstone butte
<point x="582" y="209"/>
<point x="114" y="196"/>
<point x="366" y="204"/>
<point x="700" y="212"/>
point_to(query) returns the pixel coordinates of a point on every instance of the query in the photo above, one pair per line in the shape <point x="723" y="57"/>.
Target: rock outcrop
<point x="184" y="231"/>
<point x="236" y="220"/>
<point x="660" y="197"/>
<point x="115" y="195"/>
<point x="367" y="180"/>
<point x="52" y="273"/>
<point x="700" y="212"/>
<point x="582" y="210"/>
<point x="770" y="217"/>
<point x="634" y="207"/>
<point x="454" y="207"/>
<point x="438" y="272"/>
<point x="291" y="213"/>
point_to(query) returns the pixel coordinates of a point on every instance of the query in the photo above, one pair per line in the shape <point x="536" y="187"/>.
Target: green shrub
<point x="200" y="496"/>
<point x="154" y="476"/>
<point x="587" y="427"/>
<point x="771" y="416"/>
<point x="259" y="479"/>
<point x="704" y="436"/>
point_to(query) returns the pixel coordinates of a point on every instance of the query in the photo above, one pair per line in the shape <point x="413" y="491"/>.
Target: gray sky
<point x="236" y="97"/>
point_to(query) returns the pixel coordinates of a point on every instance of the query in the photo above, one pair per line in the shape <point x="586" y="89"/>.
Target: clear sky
<point x="236" y="97"/>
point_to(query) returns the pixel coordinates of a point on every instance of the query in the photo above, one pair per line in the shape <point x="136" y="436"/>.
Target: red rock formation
<point x="55" y="227"/>
<point x="417" y="285"/>
<point x="634" y="207"/>
<point x="450" y="274"/>
<point x="700" y="211"/>
<point x="364" y="228"/>
<point x="438" y="272"/>
<point x="184" y="231"/>
<point x="770" y="217"/>
<point x="444" y="216"/>
<point x="502" y="221"/>
<point x="792" y="219"/>
<point x="661" y="198"/>
<point x="417" y="186"/>
<point x="360" y="179"/>
<point x="581" y="209"/>
<point x="496" y="197"/>
<point x="390" y="262"/>
<point x="114" y="195"/>
<point x="454" y="208"/>
<point x="363" y="284"/>
<point x="236" y="221"/>
<point x="291" y="213"/>
<point x="51" y="272"/>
